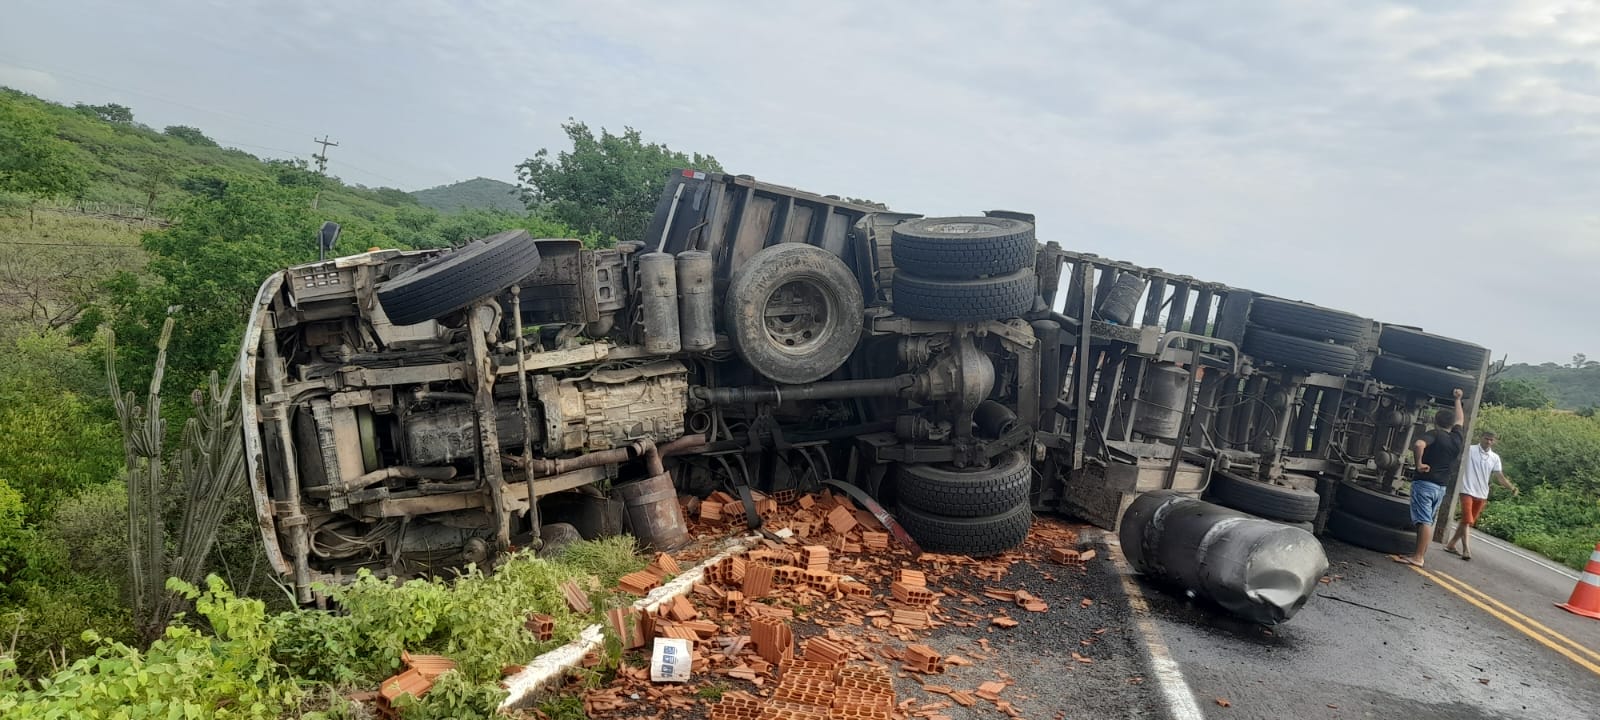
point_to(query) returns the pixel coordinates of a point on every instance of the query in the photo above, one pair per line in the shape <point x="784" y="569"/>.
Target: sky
<point x="1433" y="163"/>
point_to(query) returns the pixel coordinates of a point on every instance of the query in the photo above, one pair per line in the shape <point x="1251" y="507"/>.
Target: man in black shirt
<point x="1436" y="451"/>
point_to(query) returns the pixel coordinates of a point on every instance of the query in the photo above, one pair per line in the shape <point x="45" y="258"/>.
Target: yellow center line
<point x="1502" y="617"/>
<point x="1535" y="624"/>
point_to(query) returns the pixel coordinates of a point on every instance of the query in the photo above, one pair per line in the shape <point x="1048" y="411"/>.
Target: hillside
<point x="477" y="193"/>
<point x="131" y="165"/>
<point x="1572" y="388"/>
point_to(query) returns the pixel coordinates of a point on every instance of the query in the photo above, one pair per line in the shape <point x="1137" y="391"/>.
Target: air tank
<point x="1161" y="401"/>
<point x="696" y="301"/>
<point x="658" y="295"/>
<point x="1258" y="569"/>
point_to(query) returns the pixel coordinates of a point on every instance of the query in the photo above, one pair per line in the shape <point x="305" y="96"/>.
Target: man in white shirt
<point x="1482" y="465"/>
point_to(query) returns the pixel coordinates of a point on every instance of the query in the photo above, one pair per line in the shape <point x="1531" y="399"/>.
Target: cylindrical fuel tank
<point x="696" y="301"/>
<point x="1257" y="569"/>
<point x="658" y="295"/>
<point x="1161" y="401"/>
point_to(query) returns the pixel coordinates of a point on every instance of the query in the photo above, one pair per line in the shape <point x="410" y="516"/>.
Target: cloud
<point x="1427" y="162"/>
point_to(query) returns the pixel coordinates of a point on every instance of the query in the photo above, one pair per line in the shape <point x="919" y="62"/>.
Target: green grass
<point x="607" y="559"/>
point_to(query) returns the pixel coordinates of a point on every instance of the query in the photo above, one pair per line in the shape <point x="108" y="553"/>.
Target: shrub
<point x="187" y="673"/>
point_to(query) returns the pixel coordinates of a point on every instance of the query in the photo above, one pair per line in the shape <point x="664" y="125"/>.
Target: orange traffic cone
<point x="1585" y="598"/>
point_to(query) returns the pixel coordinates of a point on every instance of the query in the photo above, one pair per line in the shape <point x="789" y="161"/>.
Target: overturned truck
<point x="413" y="411"/>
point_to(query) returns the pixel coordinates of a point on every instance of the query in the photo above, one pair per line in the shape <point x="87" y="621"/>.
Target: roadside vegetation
<point x="112" y="229"/>
<point x="1554" y="458"/>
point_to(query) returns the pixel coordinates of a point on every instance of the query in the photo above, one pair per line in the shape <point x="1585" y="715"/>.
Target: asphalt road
<point x="1413" y="647"/>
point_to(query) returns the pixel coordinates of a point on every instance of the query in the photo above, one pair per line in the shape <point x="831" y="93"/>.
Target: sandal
<point x="1454" y="551"/>
<point x="1466" y="557"/>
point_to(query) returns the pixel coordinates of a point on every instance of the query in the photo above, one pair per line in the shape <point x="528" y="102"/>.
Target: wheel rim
<point x="959" y="228"/>
<point x="797" y="316"/>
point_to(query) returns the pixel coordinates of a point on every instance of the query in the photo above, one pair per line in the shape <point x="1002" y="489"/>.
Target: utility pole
<point x="322" y="159"/>
<point x="322" y="164"/>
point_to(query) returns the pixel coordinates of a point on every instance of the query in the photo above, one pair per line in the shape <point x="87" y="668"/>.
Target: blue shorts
<point x="1425" y="499"/>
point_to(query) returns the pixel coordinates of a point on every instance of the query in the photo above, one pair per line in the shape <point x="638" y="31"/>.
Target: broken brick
<point x="912" y="594"/>
<point x="924" y="659"/>
<point x="541" y="625"/>
<point x="628" y="625"/>
<point x="665" y="564"/>
<point x="822" y="650"/>
<point x="841" y="519"/>
<point x="638" y="583"/>
<point x="758" y="580"/>
<point x="681" y="609"/>
<point x="913" y="578"/>
<point x="577" y="599"/>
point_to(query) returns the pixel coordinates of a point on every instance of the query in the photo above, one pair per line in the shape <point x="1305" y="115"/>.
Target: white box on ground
<point x="671" y="660"/>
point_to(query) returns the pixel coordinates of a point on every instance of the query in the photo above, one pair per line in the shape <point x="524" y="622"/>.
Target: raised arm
<point x="1461" y="415"/>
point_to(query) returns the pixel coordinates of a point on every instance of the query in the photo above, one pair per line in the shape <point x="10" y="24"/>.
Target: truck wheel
<point x="449" y="282"/>
<point x="1437" y="382"/>
<point x="1309" y="321"/>
<point x="1429" y="349"/>
<point x="1376" y="507"/>
<point x="794" y="313"/>
<point x="1370" y="535"/>
<point x="1273" y="502"/>
<point x="993" y="298"/>
<point x="1300" y="353"/>
<point x="963" y="247"/>
<point x="967" y="492"/>
<point x="975" y="536"/>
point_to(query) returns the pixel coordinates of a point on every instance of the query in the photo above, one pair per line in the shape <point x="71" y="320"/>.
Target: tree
<point x="225" y="241"/>
<point x="109" y="112"/>
<point x="1580" y="360"/>
<point x="1516" y="393"/>
<point x="191" y="135"/>
<point x="608" y="184"/>
<point x="33" y="161"/>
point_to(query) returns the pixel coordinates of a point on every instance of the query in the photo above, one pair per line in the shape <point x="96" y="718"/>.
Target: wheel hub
<point x="796" y="316"/>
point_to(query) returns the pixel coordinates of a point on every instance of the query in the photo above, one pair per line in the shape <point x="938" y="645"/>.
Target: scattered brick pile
<point x="803" y="627"/>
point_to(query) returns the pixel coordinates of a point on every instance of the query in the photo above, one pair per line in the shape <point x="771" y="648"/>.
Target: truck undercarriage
<point x="412" y="411"/>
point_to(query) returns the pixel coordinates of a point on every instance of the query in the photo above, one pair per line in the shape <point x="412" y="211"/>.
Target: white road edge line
<point x="1176" y="690"/>
<point x="1510" y="549"/>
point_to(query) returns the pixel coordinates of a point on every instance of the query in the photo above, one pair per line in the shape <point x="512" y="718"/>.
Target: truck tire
<point x="1409" y="375"/>
<point x="1273" y="502"/>
<point x="449" y="282"/>
<point x="1309" y="321"/>
<point x="1432" y="350"/>
<point x="994" y="298"/>
<point x="963" y="247"/>
<point x="1375" y="507"/>
<point x="813" y="340"/>
<point x="967" y="492"/>
<point x="1300" y="353"/>
<point x="1370" y="535"/>
<point x="975" y="536"/>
